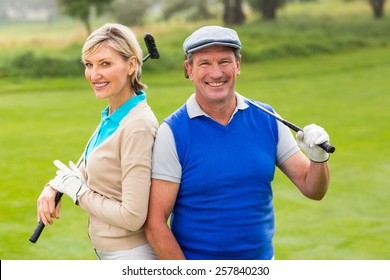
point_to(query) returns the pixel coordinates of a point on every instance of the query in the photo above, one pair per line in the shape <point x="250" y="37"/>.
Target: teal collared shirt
<point x="110" y="123"/>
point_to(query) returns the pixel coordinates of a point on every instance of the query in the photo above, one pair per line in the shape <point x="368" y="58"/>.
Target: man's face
<point x="214" y="72"/>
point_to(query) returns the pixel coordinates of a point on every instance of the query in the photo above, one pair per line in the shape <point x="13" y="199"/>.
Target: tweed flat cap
<point x="211" y="36"/>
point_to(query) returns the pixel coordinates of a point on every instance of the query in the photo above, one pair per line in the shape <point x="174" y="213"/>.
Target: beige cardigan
<point x="118" y="175"/>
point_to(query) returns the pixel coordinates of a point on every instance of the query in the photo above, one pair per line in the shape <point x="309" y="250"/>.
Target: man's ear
<point x="187" y="70"/>
<point x="238" y="67"/>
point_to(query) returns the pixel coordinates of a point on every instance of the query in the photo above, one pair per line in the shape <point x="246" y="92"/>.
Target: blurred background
<point x="314" y="61"/>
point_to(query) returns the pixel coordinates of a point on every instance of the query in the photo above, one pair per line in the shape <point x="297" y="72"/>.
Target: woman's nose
<point x="95" y="74"/>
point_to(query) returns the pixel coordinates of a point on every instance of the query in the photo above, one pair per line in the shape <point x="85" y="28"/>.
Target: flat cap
<point x="211" y="36"/>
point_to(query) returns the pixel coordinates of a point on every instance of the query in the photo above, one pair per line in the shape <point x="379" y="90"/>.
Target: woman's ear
<point x="132" y="65"/>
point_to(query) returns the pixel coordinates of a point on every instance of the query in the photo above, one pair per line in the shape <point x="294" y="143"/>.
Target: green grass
<point x="334" y="73"/>
<point x="347" y="94"/>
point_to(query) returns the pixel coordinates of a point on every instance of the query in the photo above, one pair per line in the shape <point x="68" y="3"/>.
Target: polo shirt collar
<point x="194" y="109"/>
<point x="124" y="109"/>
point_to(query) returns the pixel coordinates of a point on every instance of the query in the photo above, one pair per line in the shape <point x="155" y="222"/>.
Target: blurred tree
<point x="82" y="9"/>
<point x="267" y="8"/>
<point x="130" y="12"/>
<point x="232" y="9"/>
<point x="200" y="8"/>
<point x="378" y="7"/>
<point x="3" y="13"/>
<point x="25" y="10"/>
<point x="233" y="12"/>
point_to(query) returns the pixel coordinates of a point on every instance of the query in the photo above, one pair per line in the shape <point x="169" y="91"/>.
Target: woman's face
<point x="109" y="74"/>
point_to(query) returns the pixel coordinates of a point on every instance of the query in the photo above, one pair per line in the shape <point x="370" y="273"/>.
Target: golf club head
<point x="151" y="45"/>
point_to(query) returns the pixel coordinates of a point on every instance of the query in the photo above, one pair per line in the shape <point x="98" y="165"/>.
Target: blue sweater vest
<point x="224" y="206"/>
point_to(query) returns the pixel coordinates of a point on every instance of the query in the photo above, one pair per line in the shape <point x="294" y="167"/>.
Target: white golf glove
<point x="69" y="180"/>
<point x="309" y="139"/>
<point x="55" y="182"/>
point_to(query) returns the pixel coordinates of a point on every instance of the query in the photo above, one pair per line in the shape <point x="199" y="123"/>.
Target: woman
<point x="112" y="180"/>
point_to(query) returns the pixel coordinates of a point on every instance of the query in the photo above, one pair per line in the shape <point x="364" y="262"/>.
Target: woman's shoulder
<point x="141" y="117"/>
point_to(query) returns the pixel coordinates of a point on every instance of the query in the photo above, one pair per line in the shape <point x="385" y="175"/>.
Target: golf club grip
<point x="38" y="230"/>
<point x="326" y="146"/>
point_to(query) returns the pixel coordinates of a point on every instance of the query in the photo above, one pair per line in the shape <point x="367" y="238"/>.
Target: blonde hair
<point x="123" y="40"/>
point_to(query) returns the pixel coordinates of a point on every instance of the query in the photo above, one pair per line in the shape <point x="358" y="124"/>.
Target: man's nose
<point x="215" y="71"/>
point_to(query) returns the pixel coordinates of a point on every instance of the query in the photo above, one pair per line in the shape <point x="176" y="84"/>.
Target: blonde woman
<point x="112" y="181"/>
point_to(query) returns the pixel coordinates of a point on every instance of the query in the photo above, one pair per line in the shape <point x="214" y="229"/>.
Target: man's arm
<point x="311" y="178"/>
<point x="162" y="199"/>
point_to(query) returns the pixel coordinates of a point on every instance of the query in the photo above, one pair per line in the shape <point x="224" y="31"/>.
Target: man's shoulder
<point x="180" y="113"/>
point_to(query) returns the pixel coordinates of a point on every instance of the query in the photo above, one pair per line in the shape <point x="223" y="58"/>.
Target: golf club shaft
<point x="326" y="146"/>
<point x="146" y="57"/>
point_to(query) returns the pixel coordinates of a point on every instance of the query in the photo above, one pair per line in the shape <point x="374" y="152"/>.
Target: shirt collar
<point x="124" y="109"/>
<point x="194" y="109"/>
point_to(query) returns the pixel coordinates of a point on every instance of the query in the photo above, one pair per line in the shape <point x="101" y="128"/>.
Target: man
<point x="214" y="160"/>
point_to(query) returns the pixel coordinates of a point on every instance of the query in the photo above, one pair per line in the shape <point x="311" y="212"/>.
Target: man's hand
<point x="309" y="139"/>
<point x="69" y="180"/>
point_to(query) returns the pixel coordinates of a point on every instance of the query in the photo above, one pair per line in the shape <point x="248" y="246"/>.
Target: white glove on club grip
<point x="309" y="139"/>
<point x="69" y="181"/>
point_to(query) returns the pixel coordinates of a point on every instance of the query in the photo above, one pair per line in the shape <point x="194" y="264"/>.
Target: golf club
<point x="152" y="54"/>
<point x="151" y="45"/>
<point x="38" y="230"/>
<point x="326" y="146"/>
